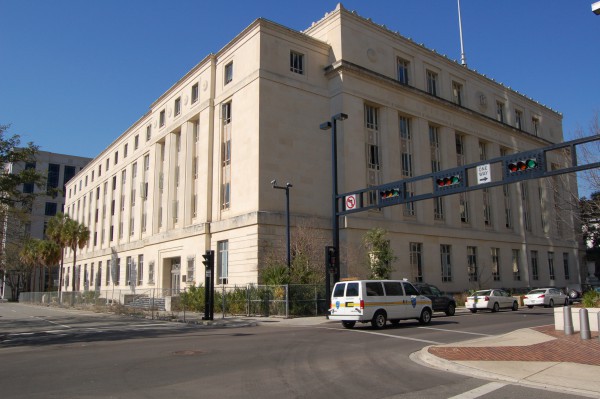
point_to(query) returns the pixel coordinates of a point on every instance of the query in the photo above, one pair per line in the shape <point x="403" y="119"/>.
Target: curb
<point x="424" y="358"/>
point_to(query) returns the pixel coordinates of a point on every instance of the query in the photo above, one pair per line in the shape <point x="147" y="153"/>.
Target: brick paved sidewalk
<point x="565" y="348"/>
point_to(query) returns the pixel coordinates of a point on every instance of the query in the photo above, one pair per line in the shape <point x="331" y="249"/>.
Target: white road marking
<point x="456" y="331"/>
<point x="386" y="335"/>
<point x="50" y="321"/>
<point x="480" y="391"/>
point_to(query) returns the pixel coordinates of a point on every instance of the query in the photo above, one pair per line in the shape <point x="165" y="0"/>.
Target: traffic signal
<point x="391" y="194"/>
<point x="209" y="258"/>
<point x="449" y="181"/>
<point x="331" y="255"/>
<point x="523" y="166"/>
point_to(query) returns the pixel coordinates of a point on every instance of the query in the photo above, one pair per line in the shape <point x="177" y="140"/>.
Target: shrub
<point x="591" y="299"/>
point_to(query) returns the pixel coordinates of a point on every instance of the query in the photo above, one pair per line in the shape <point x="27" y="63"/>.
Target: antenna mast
<point x="463" y="57"/>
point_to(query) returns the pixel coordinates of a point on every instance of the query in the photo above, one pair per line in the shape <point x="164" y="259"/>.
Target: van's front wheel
<point x="425" y="316"/>
<point x="348" y="324"/>
<point x="379" y="320"/>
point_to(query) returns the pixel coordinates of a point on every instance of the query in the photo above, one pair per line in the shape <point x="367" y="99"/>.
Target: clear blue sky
<point x="75" y="74"/>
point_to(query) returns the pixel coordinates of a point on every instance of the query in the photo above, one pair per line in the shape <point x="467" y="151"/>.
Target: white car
<point x="546" y="297"/>
<point x="493" y="299"/>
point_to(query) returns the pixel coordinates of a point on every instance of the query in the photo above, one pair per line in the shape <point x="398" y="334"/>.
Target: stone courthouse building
<point x="194" y="173"/>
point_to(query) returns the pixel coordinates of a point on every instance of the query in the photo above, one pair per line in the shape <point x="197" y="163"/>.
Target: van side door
<point x="411" y="299"/>
<point x="395" y="298"/>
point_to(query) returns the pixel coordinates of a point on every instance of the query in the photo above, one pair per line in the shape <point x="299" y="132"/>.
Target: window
<point x="416" y="261"/>
<point x="525" y="200"/>
<point x="487" y="207"/>
<point x="29" y="186"/>
<point x="495" y="254"/>
<point x="432" y="78"/>
<point x="52" y="180"/>
<point x="434" y="145"/>
<point x="551" y="265"/>
<point x="107" y="164"/>
<point x="194" y="93"/>
<point x="223" y="261"/>
<point x="457" y="93"/>
<point x="140" y="270"/>
<point x="374" y="288"/>
<point x="566" y="265"/>
<point x="116" y="157"/>
<point x="516" y="265"/>
<point x="191" y="265"/>
<point x="148" y="132"/>
<point x="108" y="273"/>
<point x="518" y="119"/>
<point x="472" y="263"/>
<point x="445" y="260"/>
<point x="500" y="111"/>
<point x="297" y="62"/>
<point x="117" y="276"/>
<point x="136" y="142"/>
<point x="177" y="106"/>
<point x="161" y="118"/>
<point x="125" y="150"/>
<point x="129" y="272"/>
<point x="147" y="162"/>
<point x="229" y="72"/>
<point x="151" y="272"/>
<point x="535" y="126"/>
<point x="406" y="155"/>
<point x="50" y="209"/>
<point x="402" y="66"/>
<point x="372" y="150"/>
<point x="226" y="157"/>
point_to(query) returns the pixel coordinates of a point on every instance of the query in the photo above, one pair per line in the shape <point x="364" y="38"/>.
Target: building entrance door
<point x="175" y="278"/>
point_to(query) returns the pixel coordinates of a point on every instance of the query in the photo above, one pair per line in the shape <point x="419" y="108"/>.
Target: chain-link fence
<point x="232" y="300"/>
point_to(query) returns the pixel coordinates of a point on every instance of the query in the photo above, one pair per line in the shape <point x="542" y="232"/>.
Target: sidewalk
<point x="540" y="357"/>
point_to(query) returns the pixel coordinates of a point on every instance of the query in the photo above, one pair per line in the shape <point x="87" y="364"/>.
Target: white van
<point x="377" y="301"/>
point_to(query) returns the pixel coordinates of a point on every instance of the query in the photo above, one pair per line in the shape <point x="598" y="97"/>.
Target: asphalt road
<point x="55" y="353"/>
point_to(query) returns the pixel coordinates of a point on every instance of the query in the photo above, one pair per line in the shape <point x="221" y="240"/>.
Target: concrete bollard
<point x="568" y="320"/>
<point x="584" y="324"/>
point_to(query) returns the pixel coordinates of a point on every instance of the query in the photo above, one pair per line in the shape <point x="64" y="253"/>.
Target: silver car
<point x="546" y="297"/>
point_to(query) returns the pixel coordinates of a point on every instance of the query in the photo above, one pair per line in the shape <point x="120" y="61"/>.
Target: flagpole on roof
<point x="463" y="57"/>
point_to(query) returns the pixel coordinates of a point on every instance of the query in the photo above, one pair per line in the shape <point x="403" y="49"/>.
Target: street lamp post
<point x="334" y="200"/>
<point x="287" y="215"/>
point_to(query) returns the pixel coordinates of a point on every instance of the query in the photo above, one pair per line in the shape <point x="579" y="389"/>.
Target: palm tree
<point x="77" y="236"/>
<point x="49" y="253"/>
<point x="55" y="230"/>
<point x="29" y="256"/>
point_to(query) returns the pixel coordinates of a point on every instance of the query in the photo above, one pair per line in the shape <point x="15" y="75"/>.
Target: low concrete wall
<point x="559" y="321"/>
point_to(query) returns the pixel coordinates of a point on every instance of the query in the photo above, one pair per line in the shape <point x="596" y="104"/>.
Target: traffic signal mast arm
<point x="516" y="167"/>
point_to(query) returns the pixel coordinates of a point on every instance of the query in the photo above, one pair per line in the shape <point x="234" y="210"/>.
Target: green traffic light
<point x="531" y="163"/>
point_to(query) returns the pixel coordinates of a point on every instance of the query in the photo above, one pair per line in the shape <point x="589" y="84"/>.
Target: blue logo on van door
<point x="337" y="304"/>
<point x="413" y="302"/>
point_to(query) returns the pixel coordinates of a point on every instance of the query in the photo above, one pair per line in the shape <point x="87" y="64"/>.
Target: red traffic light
<point x="521" y="165"/>
<point x="448" y="181"/>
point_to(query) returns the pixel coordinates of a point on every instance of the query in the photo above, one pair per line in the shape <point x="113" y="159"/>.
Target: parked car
<point x="546" y="297"/>
<point x="576" y="291"/>
<point x="493" y="299"/>
<point x="440" y="302"/>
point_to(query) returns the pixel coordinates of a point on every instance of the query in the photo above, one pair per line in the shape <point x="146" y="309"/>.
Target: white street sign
<point x="350" y="202"/>
<point x="483" y="174"/>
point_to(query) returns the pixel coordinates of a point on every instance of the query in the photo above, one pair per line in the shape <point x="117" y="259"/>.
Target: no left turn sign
<point x="350" y="202"/>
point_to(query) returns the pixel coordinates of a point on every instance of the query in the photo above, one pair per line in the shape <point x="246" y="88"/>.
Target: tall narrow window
<point x="191" y="265"/>
<point x="406" y="154"/>
<point x="162" y="118"/>
<point x="297" y="62"/>
<point x="495" y="254"/>
<point x="516" y="265"/>
<point x="446" y="262"/>
<point x="525" y="201"/>
<point x="108" y="273"/>
<point x="229" y="72"/>
<point x="402" y="66"/>
<point x="136" y="145"/>
<point x="457" y="93"/>
<point x="535" y="126"/>
<point x="177" y="106"/>
<point x="434" y="146"/>
<point x="472" y="263"/>
<point x="52" y="180"/>
<point x="148" y="132"/>
<point x="534" y="266"/>
<point x="551" y="265"/>
<point x="372" y="150"/>
<point x="518" y="119"/>
<point x="500" y="111"/>
<point x="140" y="270"/>
<point x="117" y="272"/>
<point x="29" y="186"/>
<point x="226" y="157"/>
<point x="194" y="93"/>
<point x="432" y="78"/>
<point x="566" y="265"/>
<point x="223" y="262"/>
<point x="151" y="272"/>
<point x="416" y="260"/>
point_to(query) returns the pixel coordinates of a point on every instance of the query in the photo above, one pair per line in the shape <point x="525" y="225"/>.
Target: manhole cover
<point x="187" y="353"/>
